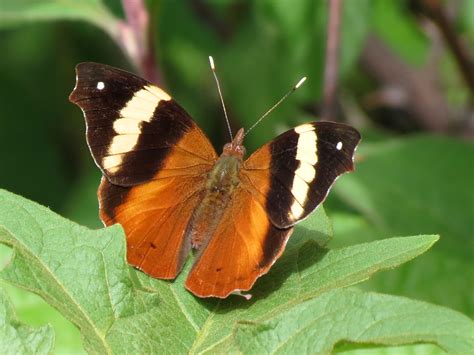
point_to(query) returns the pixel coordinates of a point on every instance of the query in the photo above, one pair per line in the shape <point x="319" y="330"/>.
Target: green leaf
<point x="83" y="273"/>
<point x="415" y="185"/>
<point x="82" y="205"/>
<point x="33" y="310"/>
<point x="317" y="325"/>
<point x="80" y="272"/>
<point x="19" y="338"/>
<point x="466" y="19"/>
<point x="302" y="273"/>
<point x="353" y="33"/>
<point x="17" y="12"/>
<point x="396" y="26"/>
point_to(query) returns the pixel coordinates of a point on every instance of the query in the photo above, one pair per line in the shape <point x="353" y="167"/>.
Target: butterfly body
<point x="168" y="188"/>
<point x="220" y="187"/>
<point x="221" y="183"/>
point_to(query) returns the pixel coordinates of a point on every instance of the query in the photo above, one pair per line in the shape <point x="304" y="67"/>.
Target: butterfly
<point x="171" y="192"/>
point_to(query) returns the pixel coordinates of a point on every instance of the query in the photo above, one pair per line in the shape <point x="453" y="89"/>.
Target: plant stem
<point x="137" y="40"/>
<point x="331" y="69"/>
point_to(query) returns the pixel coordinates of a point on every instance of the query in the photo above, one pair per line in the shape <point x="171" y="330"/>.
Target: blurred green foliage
<point x="402" y="185"/>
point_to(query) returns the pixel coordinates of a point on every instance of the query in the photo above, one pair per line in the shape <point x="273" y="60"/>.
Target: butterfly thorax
<point x="221" y="183"/>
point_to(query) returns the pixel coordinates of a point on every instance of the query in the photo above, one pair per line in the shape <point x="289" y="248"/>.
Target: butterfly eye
<point x="241" y="150"/>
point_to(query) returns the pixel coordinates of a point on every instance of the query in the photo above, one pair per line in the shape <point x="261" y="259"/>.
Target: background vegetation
<point x="406" y="82"/>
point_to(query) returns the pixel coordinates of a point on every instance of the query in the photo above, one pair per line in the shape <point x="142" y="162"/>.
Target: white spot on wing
<point x="306" y="172"/>
<point x="306" y="150"/>
<point x="304" y="128"/>
<point x="339" y="145"/>
<point x="123" y="144"/>
<point x="158" y="92"/>
<point x="296" y="210"/>
<point x="307" y="156"/>
<point x="299" y="190"/>
<point x="111" y="163"/>
<point x="127" y="126"/>
<point x="100" y="85"/>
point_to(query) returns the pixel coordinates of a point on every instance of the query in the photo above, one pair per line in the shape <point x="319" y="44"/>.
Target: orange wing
<point x="244" y="246"/>
<point x="155" y="214"/>
<point x="154" y="159"/>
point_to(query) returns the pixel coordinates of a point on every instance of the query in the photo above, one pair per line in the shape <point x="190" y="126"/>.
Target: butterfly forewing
<point x="292" y="174"/>
<point x="132" y="125"/>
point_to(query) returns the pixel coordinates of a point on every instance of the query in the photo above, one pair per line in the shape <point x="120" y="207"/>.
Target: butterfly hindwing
<point x="154" y="216"/>
<point x="292" y="174"/>
<point x="243" y="247"/>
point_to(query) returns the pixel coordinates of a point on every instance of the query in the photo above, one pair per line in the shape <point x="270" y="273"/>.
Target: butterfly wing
<point x="154" y="159"/>
<point x="243" y="247"/>
<point x="280" y="184"/>
<point x="293" y="174"/>
<point x="133" y="125"/>
<point x="154" y="216"/>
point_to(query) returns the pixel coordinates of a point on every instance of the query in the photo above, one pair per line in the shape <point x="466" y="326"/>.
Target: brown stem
<point x="331" y="70"/>
<point x="136" y="39"/>
<point x="419" y="90"/>
<point x="434" y="10"/>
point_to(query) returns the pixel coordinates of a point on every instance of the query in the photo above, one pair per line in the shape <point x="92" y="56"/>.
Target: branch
<point x="331" y="70"/>
<point x="421" y="93"/>
<point x="434" y="10"/>
<point x="136" y="39"/>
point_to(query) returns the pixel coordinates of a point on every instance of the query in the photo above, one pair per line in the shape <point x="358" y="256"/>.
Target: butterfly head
<point x="236" y="147"/>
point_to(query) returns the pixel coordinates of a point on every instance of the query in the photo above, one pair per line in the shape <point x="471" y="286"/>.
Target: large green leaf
<point x="83" y="273"/>
<point x="17" y="12"/>
<point x="319" y="324"/>
<point x="19" y="338"/>
<point x="34" y="311"/>
<point x="80" y="272"/>
<point x="414" y="185"/>
<point x="302" y="273"/>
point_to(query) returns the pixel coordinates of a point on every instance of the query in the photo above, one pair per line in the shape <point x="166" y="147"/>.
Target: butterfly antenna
<point x="293" y="89"/>
<point x="213" y="67"/>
